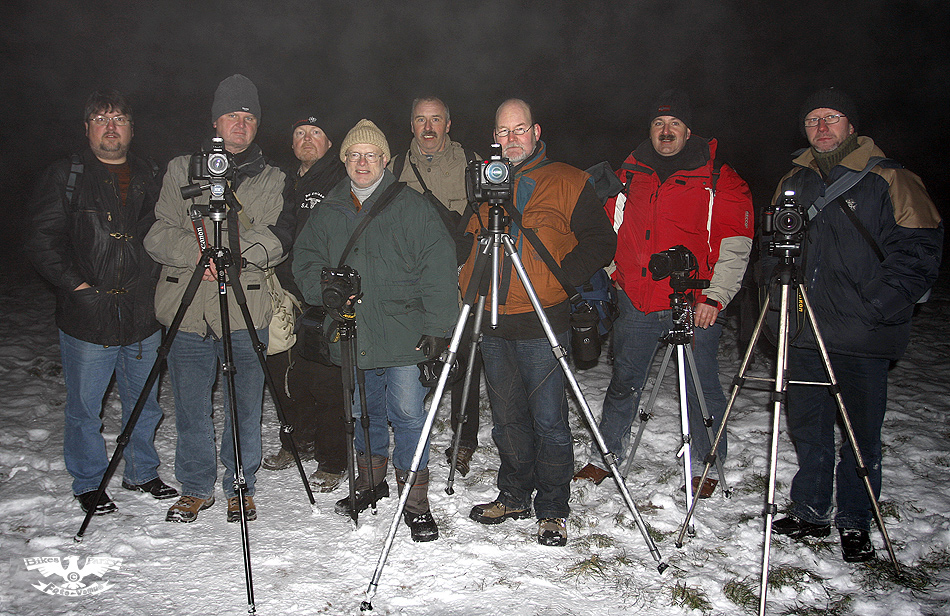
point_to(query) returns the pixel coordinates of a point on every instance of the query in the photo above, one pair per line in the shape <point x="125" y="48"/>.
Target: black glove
<point x="432" y="346"/>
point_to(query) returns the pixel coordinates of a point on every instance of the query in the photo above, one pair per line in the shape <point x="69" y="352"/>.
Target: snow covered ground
<point x="313" y="562"/>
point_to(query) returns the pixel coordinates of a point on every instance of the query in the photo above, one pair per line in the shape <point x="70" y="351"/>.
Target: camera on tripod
<point x="339" y="284"/>
<point x="489" y="180"/>
<point x="786" y="221"/>
<point x="679" y="263"/>
<point x="214" y="167"/>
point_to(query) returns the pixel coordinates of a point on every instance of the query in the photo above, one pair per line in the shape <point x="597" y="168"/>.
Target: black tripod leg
<point x="466" y="388"/>
<point x="349" y="391"/>
<point x="261" y="349"/>
<point x="707" y="420"/>
<point x="862" y="470"/>
<point x="364" y="423"/>
<point x="647" y="413"/>
<point x="123" y="438"/>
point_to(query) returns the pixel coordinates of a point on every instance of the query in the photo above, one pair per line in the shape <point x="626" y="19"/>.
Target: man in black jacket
<point x="311" y="393"/>
<point x="90" y="213"/>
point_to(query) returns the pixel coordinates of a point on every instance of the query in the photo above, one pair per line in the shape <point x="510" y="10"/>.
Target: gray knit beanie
<point x="236" y="93"/>
<point x="672" y="103"/>
<point x="364" y="132"/>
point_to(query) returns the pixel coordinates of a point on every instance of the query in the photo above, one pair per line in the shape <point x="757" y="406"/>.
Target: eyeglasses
<point x="833" y="118"/>
<point x="118" y="120"/>
<point x="504" y="132"/>
<point x="369" y="157"/>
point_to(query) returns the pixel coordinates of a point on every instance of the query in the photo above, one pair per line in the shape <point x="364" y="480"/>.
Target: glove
<point x="432" y="346"/>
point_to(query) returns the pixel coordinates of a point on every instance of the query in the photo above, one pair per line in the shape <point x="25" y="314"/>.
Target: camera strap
<point x="384" y="200"/>
<point x="842" y="185"/>
<point x="861" y="228"/>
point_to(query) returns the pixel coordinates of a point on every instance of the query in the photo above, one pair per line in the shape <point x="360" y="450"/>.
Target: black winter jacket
<point x="863" y="305"/>
<point x="97" y="240"/>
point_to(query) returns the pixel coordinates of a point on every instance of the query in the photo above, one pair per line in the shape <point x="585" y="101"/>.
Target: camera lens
<point x="217" y="163"/>
<point x="788" y="222"/>
<point x="496" y="172"/>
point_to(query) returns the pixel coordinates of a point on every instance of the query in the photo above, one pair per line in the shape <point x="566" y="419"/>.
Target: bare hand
<point x="704" y="315"/>
<point x="211" y="272"/>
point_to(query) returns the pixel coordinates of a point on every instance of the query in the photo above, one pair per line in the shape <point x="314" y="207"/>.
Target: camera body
<point x="489" y="180"/>
<point x="214" y="167"/>
<point x="786" y="221"/>
<point x="679" y="263"/>
<point x="339" y="284"/>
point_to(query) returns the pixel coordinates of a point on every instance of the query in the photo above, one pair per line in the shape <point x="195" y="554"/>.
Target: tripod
<point x="219" y="255"/>
<point x="680" y="337"/>
<point x="787" y="279"/>
<point x="490" y="246"/>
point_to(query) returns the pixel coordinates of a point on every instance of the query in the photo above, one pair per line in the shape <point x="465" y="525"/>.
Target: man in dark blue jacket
<point x="867" y="257"/>
<point x="89" y="215"/>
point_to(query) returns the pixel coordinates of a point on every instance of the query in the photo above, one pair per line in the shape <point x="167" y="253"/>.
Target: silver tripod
<point x="786" y="279"/>
<point x="490" y="246"/>
<point x="680" y="337"/>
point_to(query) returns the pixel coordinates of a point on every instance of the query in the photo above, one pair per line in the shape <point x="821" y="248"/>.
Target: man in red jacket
<point x="675" y="193"/>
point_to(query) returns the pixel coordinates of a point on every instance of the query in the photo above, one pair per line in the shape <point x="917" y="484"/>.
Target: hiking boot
<point x="282" y="459"/>
<point x="323" y="481"/>
<point x="462" y="459"/>
<point x="187" y="508"/>
<point x="234" y="509"/>
<point x="592" y="473"/>
<point x="496" y="513"/>
<point x="709" y="486"/>
<point x="799" y="529"/>
<point x="364" y="498"/>
<point x="102" y="507"/>
<point x="156" y="487"/>
<point x="422" y="526"/>
<point x="552" y="531"/>
<point x="856" y="545"/>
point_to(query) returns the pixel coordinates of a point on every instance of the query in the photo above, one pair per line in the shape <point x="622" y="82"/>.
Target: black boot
<point x="418" y="518"/>
<point x="856" y="546"/>
<point x="364" y="496"/>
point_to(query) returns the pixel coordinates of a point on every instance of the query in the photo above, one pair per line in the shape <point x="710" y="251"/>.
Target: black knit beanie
<point x="673" y="103"/>
<point x="829" y="98"/>
<point x="236" y="93"/>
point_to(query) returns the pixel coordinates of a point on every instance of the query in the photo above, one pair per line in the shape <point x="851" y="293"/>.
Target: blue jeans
<point x="812" y="414"/>
<point x="529" y="409"/>
<point x="394" y="396"/>
<point x="87" y="370"/>
<point x="193" y="364"/>
<point x="636" y="340"/>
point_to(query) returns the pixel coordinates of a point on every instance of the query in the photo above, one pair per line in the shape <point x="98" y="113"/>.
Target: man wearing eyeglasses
<point x="869" y="254"/>
<point x="90" y="214"/>
<point x="676" y="192"/>
<point x="435" y="166"/>
<point x="198" y="349"/>
<point x="405" y="311"/>
<point x="524" y="379"/>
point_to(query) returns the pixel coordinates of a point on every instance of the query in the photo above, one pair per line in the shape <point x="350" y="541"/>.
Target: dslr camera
<point x="213" y="168"/>
<point x="489" y="180"/>
<point x="679" y="263"/>
<point x="786" y="221"/>
<point x="339" y="284"/>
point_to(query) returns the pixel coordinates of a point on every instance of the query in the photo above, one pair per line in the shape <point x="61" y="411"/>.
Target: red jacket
<point x="651" y="217"/>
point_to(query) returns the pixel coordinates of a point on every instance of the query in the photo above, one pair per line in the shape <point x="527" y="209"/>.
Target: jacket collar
<point x="536" y="159"/>
<point x="855" y="161"/>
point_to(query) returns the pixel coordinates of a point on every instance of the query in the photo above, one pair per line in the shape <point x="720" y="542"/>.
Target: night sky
<point x="590" y="69"/>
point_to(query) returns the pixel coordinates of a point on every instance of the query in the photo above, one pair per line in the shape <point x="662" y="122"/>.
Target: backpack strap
<point x="399" y="163"/>
<point x="842" y="185"/>
<point x="384" y="200"/>
<point x="75" y="175"/>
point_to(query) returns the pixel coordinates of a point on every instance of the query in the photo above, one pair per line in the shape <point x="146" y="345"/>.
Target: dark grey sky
<point x="589" y="69"/>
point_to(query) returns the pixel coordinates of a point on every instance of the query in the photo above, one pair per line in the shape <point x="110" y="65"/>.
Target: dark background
<point x="590" y="70"/>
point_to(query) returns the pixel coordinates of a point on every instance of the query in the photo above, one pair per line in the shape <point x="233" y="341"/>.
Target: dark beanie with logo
<point x="236" y="93"/>
<point x="829" y="98"/>
<point x="673" y="103"/>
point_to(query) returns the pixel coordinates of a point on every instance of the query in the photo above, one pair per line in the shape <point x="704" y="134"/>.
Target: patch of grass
<point x="690" y="598"/>
<point x="879" y="574"/>
<point x="788" y="576"/>
<point x="743" y="593"/>
<point x="757" y="483"/>
<point x="890" y="509"/>
<point x="622" y="520"/>
<point x="836" y="606"/>
<point x="594" y="540"/>
<point x="593" y="567"/>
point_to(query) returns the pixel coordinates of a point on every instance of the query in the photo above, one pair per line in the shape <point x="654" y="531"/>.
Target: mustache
<point x="667" y="137"/>
<point x="429" y="133"/>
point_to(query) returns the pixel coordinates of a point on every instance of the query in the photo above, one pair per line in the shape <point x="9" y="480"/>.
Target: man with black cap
<point x="869" y="254"/>
<point x="197" y="352"/>
<point x="676" y="193"/>
<point x="311" y="392"/>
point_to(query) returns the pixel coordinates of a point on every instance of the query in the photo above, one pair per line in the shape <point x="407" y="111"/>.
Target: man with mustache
<point x="198" y="349"/>
<point x="524" y="379"/>
<point x="435" y="166"/>
<point x="90" y="215"/>
<point x="675" y="193"/>
<point x="311" y="393"/>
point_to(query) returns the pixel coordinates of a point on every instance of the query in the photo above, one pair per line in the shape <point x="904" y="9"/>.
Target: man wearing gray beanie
<point x="869" y="253"/>
<point x="198" y="351"/>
